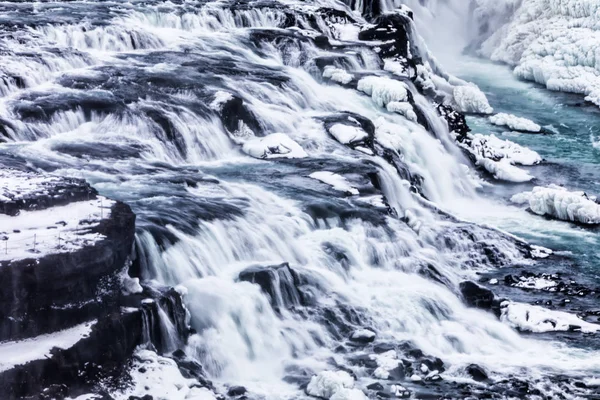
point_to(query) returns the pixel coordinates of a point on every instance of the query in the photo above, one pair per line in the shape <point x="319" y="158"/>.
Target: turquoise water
<point x="571" y="158"/>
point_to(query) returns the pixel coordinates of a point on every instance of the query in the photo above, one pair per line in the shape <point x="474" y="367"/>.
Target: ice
<point x="34" y="234"/>
<point x="537" y="319"/>
<point x="327" y="383"/>
<point x="38" y="348"/>
<point x="276" y="145"/>
<point x="515" y="123"/>
<point x="337" y="75"/>
<point x="535" y="283"/>
<point x="346" y="134"/>
<point x="551" y="42"/>
<point x="383" y="90"/>
<point x="558" y="202"/>
<point x="470" y="99"/>
<point x="336" y="181"/>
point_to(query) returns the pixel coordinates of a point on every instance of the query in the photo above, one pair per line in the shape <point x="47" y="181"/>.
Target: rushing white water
<point x="133" y="105"/>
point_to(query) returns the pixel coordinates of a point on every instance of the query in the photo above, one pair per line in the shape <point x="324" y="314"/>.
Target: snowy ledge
<point x="62" y="229"/>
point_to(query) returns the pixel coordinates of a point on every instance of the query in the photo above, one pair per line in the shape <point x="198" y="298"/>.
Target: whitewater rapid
<point x="212" y="119"/>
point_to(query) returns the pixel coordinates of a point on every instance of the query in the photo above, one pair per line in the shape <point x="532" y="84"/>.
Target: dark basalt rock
<point x="234" y="113"/>
<point x="38" y="294"/>
<point x="279" y="282"/>
<point x="477" y="373"/>
<point x="375" y="386"/>
<point x="457" y="122"/>
<point x="393" y="30"/>
<point x="477" y="296"/>
<point x="234" y="391"/>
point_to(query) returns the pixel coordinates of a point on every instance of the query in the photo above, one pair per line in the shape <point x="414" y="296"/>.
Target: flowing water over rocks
<point x="304" y="182"/>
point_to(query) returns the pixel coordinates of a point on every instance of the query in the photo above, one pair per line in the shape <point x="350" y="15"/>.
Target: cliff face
<point x="69" y="314"/>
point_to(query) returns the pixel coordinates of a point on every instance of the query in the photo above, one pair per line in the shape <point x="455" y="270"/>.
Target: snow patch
<point x="220" y="98"/>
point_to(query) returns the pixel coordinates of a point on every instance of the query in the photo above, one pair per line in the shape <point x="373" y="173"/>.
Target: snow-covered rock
<point x="503" y="170"/>
<point x="558" y="202"/>
<point x="402" y="108"/>
<point x="160" y="377"/>
<point x="552" y="42"/>
<point x="336" y="181"/>
<point x="470" y="99"/>
<point x="526" y="317"/>
<point x="276" y="145"/>
<point x="327" y="383"/>
<point x="515" y="123"/>
<point x="337" y="75"/>
<point x="383" y="90"/>
<point x="363" y="336"/>
<point x="347" y="134"/>
<point x="499" y="157"/>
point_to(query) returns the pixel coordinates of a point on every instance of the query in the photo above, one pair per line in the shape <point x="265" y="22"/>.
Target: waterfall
<point x="157" y="105"/>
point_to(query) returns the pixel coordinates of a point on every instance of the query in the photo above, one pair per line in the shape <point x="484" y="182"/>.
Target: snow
<point x="161" y="379"/>
<point x="336" y="181"/>
<point x="383" y="90"/>
<point x="515" y="123"/>
<point x="328" y="383"/>
<point x="276" y="145"/>
<point x="220" y="98"/>
<point x="55" y="230"/>
<point x="551" y="42"/>
<point x="558" y="202"/>
<point x="346" y="134"/>
<point x="470" y="99"/>
<point x="337" y="75"/>
<point x="537" y="319"/>
<point x="37" y="348"/>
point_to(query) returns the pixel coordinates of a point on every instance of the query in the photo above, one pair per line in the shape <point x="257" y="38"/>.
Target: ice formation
<point x="551" y="42"/>
<point x="558" y="202"/>
<point x="515" y="123"/>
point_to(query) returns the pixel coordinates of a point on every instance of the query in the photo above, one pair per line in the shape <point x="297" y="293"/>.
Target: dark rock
<point x="279" y="282"/>
<point x="477" y="373"/>
<point x="375" y="386"/>
<point x="477" y="296"/>
<point x="236" y="391"/>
